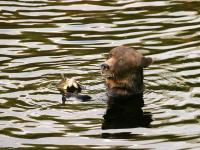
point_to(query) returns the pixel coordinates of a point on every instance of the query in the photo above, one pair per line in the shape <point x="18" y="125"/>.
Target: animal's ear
<point x="146" y="61"/>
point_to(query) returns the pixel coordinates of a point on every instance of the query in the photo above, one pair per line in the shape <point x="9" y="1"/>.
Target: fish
<point x="69" y="87"/>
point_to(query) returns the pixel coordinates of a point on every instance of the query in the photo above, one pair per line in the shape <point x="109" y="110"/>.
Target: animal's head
<point x="123" y="70"/>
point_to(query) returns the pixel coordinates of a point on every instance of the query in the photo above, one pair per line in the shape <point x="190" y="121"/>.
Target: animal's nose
<point x="104" y="66"/>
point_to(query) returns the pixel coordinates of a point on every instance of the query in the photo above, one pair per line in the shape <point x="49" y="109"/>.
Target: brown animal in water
<point x="123" y="71"/>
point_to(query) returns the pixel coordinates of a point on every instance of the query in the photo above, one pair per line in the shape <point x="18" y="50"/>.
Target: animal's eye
<point x="109" y="56"/>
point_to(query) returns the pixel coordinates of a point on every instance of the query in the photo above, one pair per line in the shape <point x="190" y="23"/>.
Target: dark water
<point x="39" y="39"/>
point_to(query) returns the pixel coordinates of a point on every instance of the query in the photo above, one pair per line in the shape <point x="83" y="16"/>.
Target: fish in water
<point x="69" y="85"/>
<point x="71" y="88"/>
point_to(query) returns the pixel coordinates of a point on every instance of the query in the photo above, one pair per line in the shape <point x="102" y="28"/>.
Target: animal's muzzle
<point x="104" y="66"/>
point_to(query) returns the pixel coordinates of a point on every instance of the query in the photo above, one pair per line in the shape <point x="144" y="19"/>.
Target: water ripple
<point x="39" y="39"/>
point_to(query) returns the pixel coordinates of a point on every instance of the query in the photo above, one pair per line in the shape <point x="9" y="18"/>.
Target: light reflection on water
<point x="41" y="39"/>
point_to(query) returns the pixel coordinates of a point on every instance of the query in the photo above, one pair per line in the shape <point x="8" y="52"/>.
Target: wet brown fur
<point x="125" y="73"/>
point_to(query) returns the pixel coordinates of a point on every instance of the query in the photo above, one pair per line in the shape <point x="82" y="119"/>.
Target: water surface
<point x="39" y="39"/>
